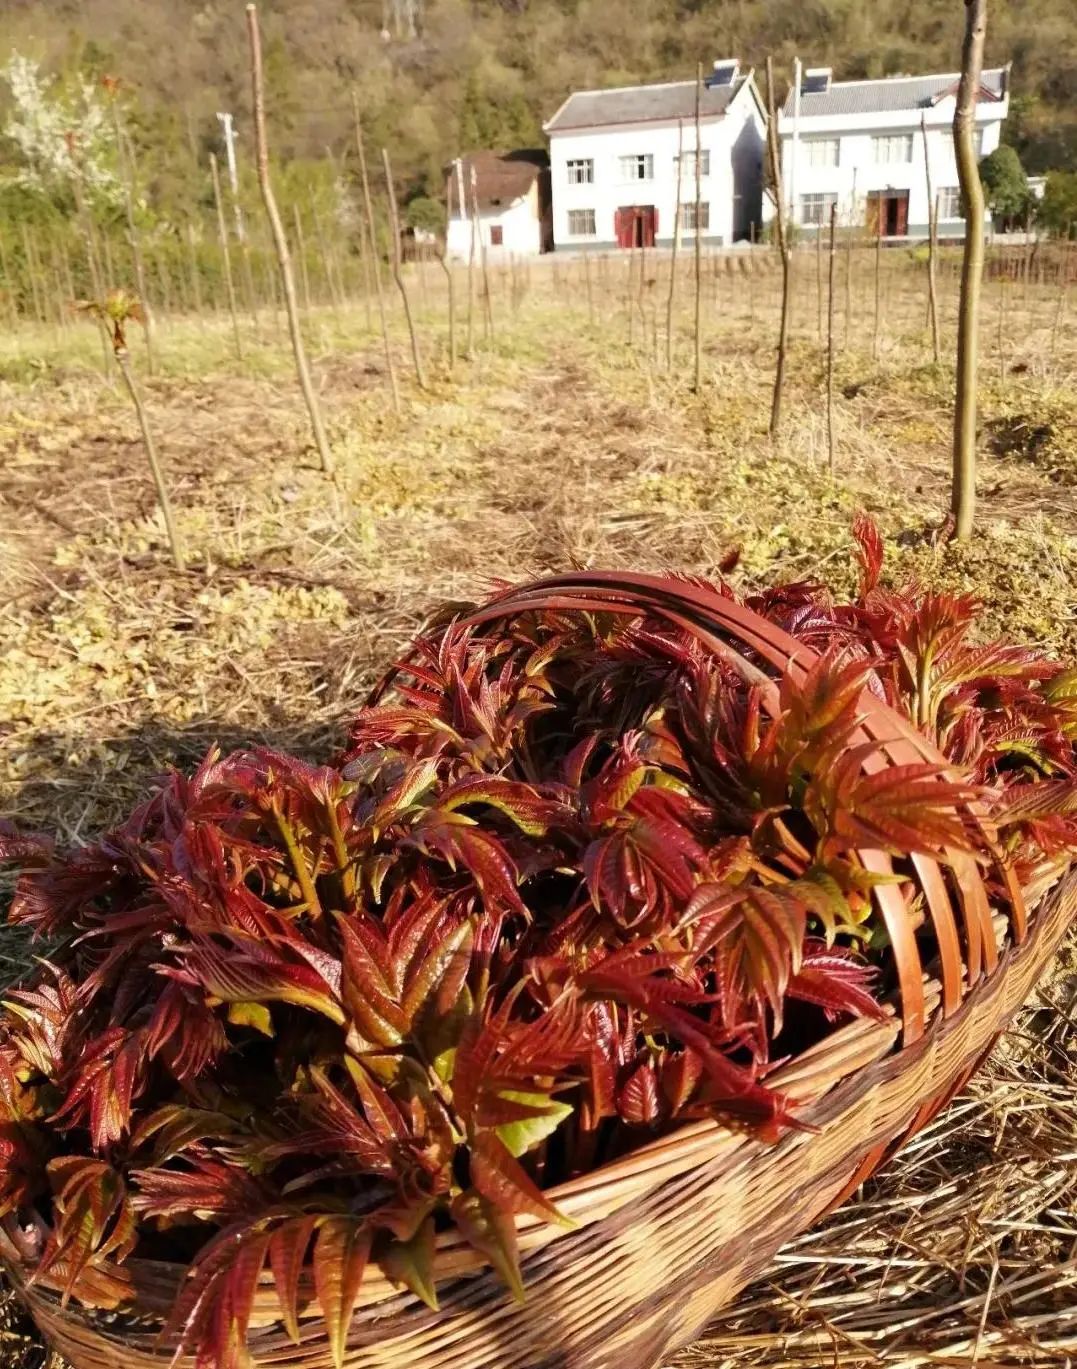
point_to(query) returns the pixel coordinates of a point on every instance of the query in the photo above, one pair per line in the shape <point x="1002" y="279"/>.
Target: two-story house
<point x="614" y="162"/>
<point x="859" y="145"/>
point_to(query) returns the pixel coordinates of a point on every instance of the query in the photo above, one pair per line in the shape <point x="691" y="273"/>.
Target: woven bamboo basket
<point x="667" y="1236"/>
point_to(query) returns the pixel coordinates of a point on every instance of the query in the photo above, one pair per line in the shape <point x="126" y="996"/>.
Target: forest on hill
<point x="438" y="77"/>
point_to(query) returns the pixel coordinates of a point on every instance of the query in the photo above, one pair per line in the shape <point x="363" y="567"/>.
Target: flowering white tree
<point x="61" y="135"/>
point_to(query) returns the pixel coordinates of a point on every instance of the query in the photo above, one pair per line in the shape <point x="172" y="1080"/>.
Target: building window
<point x="638" y="167"/>
<point x="887" y="148"/>
<point x="581" y="223"/>
<point x="581" y="171"/>
<point x="497" y="235"/>
<point x="950" y="202"/>
<point x="821" y="151"/>
<point x="688" y="216"/>
<point x="815" y="209"/>
<point x="688" y="171"/>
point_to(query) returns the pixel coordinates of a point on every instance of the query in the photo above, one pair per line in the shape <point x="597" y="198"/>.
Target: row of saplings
<point x="570" y="885"/>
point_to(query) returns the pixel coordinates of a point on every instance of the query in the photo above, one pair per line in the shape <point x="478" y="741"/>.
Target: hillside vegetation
<point x="436" y="77"/>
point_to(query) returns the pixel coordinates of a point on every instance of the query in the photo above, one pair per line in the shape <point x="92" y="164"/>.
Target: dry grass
<point x="562" y="443"/>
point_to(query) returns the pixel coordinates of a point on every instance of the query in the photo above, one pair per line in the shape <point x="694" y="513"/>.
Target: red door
<point x="901" y="228"/>
<point x="636" y="225"/>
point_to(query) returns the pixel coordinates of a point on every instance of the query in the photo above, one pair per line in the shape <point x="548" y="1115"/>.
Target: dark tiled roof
<point x="892" y="93"/>
<point x="641" y="105"/>
<point x="501" y="177"/>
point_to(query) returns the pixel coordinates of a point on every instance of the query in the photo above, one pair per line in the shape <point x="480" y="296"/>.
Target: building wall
<point x="732" y="189"/>
<point x="857" y="173"/>
<point x="520" y="225"/>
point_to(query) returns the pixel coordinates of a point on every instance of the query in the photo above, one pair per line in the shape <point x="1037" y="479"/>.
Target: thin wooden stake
<point x="697" y="372"/>
<point x="932" y="235"/>
<point x="878" y="292"/>
<point x="7" y="281"/>
<point x="280" y="243"/>
<point x="783" y="247"/>
<point x="32" y="274"/>
<point x="226" y="258"/>
<point x="830" y="339"/>
<point x="671" y="297"/>
<point x="1063" y="290"/>
<point x="193" y="268"/>
<point x="487" y="307"/>
<point x="372" y="242"/>
<point x="442" y="256"/>
<point x="963" y="502"/>
<point x="466" y="215"/>
<point x="175" y="541"/>
<point x="398" y="274"/>
<point x="819" y="281"/>
<point x="324" y="252"/>
<point x="301" y="250"/>
<point x="126" y="161"/>
<point x="751" y="274"/>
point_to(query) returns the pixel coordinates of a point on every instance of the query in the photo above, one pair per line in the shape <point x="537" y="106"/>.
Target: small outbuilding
<point x="508" y="193"/>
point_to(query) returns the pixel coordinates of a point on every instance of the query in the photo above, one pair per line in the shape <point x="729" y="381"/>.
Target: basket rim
<point x="690" y="1146"/>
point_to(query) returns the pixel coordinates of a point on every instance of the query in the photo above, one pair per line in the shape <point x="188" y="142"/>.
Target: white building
<point x="613" y="162"/>
<point x="512" y="193"/>
<point x="860" y="145"/>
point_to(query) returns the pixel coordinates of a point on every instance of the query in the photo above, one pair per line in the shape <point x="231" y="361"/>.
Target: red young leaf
<point x="341" y="1252"/>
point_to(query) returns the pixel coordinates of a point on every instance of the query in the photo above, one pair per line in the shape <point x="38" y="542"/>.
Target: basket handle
<point x="721" y="625"/>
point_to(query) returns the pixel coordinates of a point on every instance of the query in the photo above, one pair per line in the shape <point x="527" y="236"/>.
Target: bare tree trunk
<point x="193" y="269"/>
<point x="1063" y="290"/>
<point x="848" y="310"/>
<point x="589" y="290"/>
<point x="94" y="266"/>
<point x="372" y="242"/>
<point x="249" y="288"/>
<point x="878" y="294"/>
<point x="57" y="287"/>
<point x="487" y="306"/>
<point x="443" y="258"/>
<point x="86" y="228"/>
<point x="750" y="269"/>
<point x="671" y="297"/>
<point x="963" y="503"/>
<point x="830" y="339"/>
<point x="364" y="258"/>
<point x="33" y="273"/>
<point x="697" y="371"/>
<point x="7" y="281"/>
<point x="127" y="177"/>
<point x="301" y="250"/>
<point x="398" y="274"/>
<point x="819" y="281"/>
<point x="932" y="235"/>
<point x="468" y="217"/>
<point x="783" y="247"/>
<point x="163" y="284"/>
<point x="174" y="539"/>
<point x="1000" y="346"/>
<point x="226" y="258"/>
<point x="327" y="262"/>
<point x="280" y="243"/>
